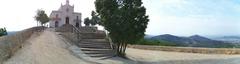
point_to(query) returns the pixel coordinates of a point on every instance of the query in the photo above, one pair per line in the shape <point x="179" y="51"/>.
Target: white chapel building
<point x="65" y="15"/>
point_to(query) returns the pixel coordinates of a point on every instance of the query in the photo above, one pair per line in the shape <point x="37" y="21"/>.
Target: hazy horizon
<point x="176" y="17"/>
<point x="208" y="36"/>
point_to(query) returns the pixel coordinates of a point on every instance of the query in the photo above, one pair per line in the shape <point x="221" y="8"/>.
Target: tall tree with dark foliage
<point x="125" y="20"/>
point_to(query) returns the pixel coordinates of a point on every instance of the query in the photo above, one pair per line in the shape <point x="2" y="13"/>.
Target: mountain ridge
<point x="192" y="41"/>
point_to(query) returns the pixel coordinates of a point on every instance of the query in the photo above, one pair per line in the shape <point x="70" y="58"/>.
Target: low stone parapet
<point x="11" y="43"/>
<point x="229" y="51"/>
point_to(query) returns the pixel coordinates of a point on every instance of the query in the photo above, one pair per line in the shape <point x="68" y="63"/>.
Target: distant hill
<point x="192" y="41"/>
<point x="229" y="39"/>
<point x="11" y="32"/>
<point x="148" y="36"/>
<point x="182" y="41"/>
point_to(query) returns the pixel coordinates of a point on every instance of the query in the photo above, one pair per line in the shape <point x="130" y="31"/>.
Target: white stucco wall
<point x="63" y="12"/>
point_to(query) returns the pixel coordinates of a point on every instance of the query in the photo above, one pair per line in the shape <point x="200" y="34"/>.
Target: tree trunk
<point x="121" y="45"/>
<point x="117" y="49"/>
<point x="37" y="23"/>
<point x="125" y="46"/>
<point x="120" y="49"/>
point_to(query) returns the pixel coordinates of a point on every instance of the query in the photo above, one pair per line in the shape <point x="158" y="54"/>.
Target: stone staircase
<point x="95" y="45"/>
<point x="91" y="41"/>
<point x="65" y="28"/>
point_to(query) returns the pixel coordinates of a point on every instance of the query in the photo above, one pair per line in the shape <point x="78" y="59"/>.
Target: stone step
<point x="95" y="46"/>
<point x="94" y="49"/>
<point x="94" y="40"/>
<point x="87" y="29"/>
<point x="90" y="44"/>
<point x="100" y="42"/>
<point x="65" y="28"/>
<point x="94" y="43"/>
<point x="92" y="35"/>
<point x="98" y="52"/>
<point x="100" y="55"/>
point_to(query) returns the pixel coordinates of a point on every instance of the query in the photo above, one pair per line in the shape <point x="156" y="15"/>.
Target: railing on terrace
<point x="93" y="30"/>
<point x="77" y="32"/>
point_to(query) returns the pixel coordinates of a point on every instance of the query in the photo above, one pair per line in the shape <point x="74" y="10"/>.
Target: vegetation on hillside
<point x="125" y="20"/>
<point x="155" y="42"/>
<point x="167" y="43"/>
<point x="3" y="31"/>
<point x="193" y="41"/>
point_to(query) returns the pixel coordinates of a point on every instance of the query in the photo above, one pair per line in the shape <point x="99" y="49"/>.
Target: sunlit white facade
<point x="65" y="15"/>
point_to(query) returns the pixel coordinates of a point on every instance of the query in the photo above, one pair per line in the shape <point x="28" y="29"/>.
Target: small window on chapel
<point x="67" y="9"/>
<point x="56" y="15"/>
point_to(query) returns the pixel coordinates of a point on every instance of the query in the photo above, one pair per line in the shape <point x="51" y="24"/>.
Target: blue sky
<point x="177" y="17"/>
<point x="189" y="17"/>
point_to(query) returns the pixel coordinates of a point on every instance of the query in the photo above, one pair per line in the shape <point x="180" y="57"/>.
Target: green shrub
<point x="3" y="31"/>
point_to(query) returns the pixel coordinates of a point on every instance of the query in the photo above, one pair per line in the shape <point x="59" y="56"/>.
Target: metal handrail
<point x="110" y="40"/>
<point x="77" y="31"/>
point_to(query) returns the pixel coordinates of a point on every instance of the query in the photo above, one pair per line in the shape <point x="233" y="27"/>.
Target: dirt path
<point x="44" y="49"/>
<point x="161" y="57"/>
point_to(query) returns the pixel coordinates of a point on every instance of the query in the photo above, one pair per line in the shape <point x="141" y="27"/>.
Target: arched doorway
<point x="67" y="20"/>
<point x="77" y="24"/>
<point x="56" y="23"/>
